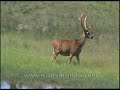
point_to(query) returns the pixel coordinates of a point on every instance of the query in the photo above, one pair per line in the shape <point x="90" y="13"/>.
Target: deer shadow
<point x="59" y="62"/>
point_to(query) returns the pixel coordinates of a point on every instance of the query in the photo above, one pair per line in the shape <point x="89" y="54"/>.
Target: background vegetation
<point x="27" y="29"/>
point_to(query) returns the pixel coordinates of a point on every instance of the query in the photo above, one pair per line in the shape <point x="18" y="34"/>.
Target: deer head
<point x="86" y="32"/>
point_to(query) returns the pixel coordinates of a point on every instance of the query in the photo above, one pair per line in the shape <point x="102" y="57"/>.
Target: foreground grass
<point x="25" y="60"/>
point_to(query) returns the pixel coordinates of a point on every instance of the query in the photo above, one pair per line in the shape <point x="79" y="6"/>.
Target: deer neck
<point x="82" y="39"/>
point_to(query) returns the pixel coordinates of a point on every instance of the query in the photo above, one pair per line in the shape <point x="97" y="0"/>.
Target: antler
<point x="85" y="24"/>
<point x="80" y="17"/>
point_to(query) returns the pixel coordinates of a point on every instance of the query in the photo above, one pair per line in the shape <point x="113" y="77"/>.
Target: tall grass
<point x="27" y="29"/>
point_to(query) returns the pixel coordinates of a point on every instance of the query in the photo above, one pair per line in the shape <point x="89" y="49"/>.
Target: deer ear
<point x="87" y="32"/>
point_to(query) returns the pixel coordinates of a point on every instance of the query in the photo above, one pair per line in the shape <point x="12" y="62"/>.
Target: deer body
<point x="71" y="47"/>
<point x="67" y="47"/>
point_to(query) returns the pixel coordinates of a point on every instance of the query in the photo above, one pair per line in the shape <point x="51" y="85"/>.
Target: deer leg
<point x="71" y="56"/>
<point x="54" y="56"/>
<point x="78" y="59"/>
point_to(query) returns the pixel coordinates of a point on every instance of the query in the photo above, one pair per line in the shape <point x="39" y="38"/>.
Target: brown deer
<point x="72" y="47"/>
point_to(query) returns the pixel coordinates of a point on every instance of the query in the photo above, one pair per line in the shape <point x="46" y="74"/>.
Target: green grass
<point x="27" y="53"/>
<point x="21" y="57"/>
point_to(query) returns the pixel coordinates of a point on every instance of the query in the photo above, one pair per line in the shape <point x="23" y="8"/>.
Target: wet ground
<point x="10" y="85"/>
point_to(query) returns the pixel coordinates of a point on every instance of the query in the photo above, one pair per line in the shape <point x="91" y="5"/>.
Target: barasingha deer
<point x="72" y="47"/>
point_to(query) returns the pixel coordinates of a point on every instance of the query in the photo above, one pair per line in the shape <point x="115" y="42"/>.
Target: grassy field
<point x="26" y="51"/>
